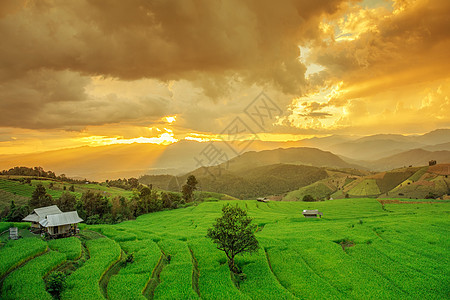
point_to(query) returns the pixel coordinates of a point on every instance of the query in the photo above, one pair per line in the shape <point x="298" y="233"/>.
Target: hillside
<point x="20" y="192"/>
<point x="340" y="256"/>
<point x="296" y="156"/>
<point x="258" y="173"/>
<point x="416" y="157"/>
<point x="411" y="182"/>
<point x="255" y="182"/>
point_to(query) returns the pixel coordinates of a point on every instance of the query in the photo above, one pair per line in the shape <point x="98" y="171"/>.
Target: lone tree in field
<point x="189" y="188"/>
<point x="233" y="234"/>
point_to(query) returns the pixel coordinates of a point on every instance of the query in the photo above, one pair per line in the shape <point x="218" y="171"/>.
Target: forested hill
<point x="259" y="181"/>
<point x="295" y="156"/>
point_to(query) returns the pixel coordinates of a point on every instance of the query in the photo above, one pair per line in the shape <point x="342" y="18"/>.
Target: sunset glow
<point x="331" y="67"/>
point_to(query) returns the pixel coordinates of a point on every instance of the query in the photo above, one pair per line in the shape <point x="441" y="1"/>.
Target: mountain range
<point x="377" y="152"/>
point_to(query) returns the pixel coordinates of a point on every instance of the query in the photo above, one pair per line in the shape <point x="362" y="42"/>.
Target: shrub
<point x="55" y="284"/>
<point x="308" y="198"/>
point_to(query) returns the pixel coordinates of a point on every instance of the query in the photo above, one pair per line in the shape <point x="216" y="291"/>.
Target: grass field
<point x="359" y="249"/>
<point x="317" y="190"/>
<point x="367" y="187"/>
<point x="22" y="192"/>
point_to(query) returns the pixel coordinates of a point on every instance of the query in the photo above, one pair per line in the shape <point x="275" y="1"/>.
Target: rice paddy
<point x="359" y="249"/>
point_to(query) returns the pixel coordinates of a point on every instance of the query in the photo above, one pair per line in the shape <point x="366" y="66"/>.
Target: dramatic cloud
<point x="376" y="61"/>
<point x="114" y="69"/>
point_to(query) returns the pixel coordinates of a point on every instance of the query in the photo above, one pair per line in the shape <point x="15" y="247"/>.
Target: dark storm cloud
<point x="200" y="41"/>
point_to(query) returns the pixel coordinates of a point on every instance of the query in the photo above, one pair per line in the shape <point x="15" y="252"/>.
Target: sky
<point x="92" y="72"/>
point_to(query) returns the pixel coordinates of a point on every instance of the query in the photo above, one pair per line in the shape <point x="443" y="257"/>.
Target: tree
<point x="233" y="234"/>
<point x="66" y="202"/>
<point x="95" y="204"/>
<point x="40" y="197"/>
<point x="16" y="214"/>
<point x="189" y="188"/>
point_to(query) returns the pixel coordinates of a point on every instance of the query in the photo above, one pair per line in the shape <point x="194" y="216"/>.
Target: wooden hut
<point x="313" y="213"/>
<point x="60" y="225"/>
<point x="40" y="214"/>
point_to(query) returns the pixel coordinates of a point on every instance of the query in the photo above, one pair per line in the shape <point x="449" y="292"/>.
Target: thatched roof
<point x="39" y="214"/>
<point x="66" y="218"/>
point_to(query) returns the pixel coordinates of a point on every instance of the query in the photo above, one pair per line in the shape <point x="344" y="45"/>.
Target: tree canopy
<point x="189" y="188"/>
<point x="40" y="197"/>
<point x="233" y="233"/>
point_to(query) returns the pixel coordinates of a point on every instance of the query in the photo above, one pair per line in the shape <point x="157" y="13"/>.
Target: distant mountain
<point x="434" y="137"/>
<point x="382" y="145"/>
<point x="416" y="157"/>
<point x="134" y="160"/>
<point x="296" y="156"/>
<point x="374" y="148"/>
<point x="327" y="141"/>
<point x="438" y="147"/>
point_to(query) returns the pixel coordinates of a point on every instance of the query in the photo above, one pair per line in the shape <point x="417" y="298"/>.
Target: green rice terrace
<point x="21" y="193"/>
<point x="361" y="248"/>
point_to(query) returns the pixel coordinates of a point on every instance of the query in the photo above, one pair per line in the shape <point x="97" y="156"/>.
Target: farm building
<point x="52" y="220"/>
<point x="62" y="224"/>
<point x="262" y="199"/>
<point x="39" y="214"/>
<point x="314" y="213"/>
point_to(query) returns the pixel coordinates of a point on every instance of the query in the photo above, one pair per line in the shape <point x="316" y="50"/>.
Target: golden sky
<point x="94" y="72"/>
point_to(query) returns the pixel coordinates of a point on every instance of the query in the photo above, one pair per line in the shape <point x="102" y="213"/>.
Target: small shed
<point x="13" y="233"/>
<point x="62" y="224"/>
<point x="313" y="213"/>
<point x="40" y="214"/>
<point x="264" y="199"/>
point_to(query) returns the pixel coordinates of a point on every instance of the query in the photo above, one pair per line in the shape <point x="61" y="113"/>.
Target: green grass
<point x="70" y="246"/>
<point x="133" y="278"/>
<point x="26" y="190"/>
<point x="15" y="252"/>
<point x="391" y="179"/>
<point x="305" y="259"/>
<point x="6" y="197"/>
<point x="409" y="189"/>
<point x="15" y="287"/>
<point x="416" y="176"/>
<point x="214" y="276"/>
<point x="367" y="187"/>
<point x="399" y="251"/>
<point x="13" y="189"/>
<point x="317" y="190"/>
<point x="6" y="225"/>
<point x="84" y="282"/>
<point x="176" y="277"/>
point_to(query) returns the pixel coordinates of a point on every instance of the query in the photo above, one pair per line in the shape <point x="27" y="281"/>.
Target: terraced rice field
<point x="359" y="249"/>
<point x="317" y="190"/>
<point x="25" y="190"/>
<point x="21" y="192"/>
<point x="367" y="187"/>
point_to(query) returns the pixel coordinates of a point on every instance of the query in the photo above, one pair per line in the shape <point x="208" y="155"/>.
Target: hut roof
<point x="31" y="218"/>
<point x="40" y="213"/>
<point x="66" y="218"/>
<point x="312" y="212"/>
